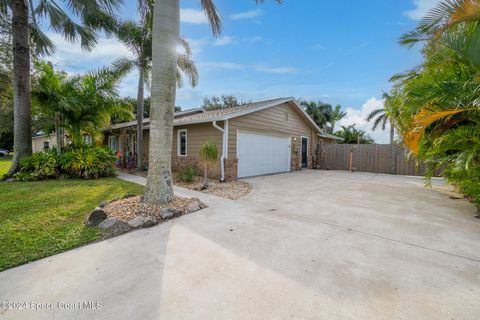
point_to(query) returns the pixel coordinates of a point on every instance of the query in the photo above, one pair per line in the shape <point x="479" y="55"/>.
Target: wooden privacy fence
<point x="375" y="158"/>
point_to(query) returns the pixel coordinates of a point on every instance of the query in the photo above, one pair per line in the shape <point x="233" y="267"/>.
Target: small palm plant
<point x="209" y="155"/>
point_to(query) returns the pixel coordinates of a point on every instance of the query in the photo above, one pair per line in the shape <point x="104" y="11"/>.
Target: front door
<point x="304" y="152"/>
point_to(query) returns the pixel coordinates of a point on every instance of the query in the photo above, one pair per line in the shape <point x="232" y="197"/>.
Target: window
<point x="286" y="116"/>
<point x="182" y="142"/>
<point x="112" y="143"/>
<point x="46" y="145"/>
<point x="87" y="139"/>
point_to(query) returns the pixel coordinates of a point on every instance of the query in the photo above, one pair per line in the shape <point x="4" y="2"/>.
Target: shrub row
<point x="84" y="162"/>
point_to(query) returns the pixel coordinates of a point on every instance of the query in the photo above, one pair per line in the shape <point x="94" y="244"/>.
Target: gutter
<point x="224" y="131"/>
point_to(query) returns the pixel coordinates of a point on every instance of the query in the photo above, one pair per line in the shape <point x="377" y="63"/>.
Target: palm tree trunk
<point x="58" y="134"/>
<point x="140" y="106"/>
<point x="22" y="127"/>
<point x="392" y="133"/>
<point x="166" y="36"/>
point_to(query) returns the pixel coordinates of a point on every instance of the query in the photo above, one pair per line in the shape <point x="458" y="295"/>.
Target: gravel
<point x="128" y="208"/>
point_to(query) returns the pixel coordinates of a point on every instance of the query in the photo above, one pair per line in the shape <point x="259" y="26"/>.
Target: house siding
<point x="275" y="121"/>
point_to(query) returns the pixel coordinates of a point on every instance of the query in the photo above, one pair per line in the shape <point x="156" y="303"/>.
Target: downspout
<point x="224" y="131"/>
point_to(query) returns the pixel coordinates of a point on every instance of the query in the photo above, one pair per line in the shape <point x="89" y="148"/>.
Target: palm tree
<point x="350" y="134"/>
<point x="337" y="114"/>
<point x="138" y="38"/>
<point x="81" y="104"/>
<point x="381" y="118"/>
<point x="21" y="13"/>
<point x="320" y="112"/>
<point x="208" y="154"/>
<point x="166" y="27"/>
<point x="446" y="14"/>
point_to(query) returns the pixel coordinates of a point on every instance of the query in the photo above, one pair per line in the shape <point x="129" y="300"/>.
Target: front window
<point x="46" y="145"/>
<point x="182" y="142"/>
<point x="87" y="139"/>
<point x="112" y="143"/>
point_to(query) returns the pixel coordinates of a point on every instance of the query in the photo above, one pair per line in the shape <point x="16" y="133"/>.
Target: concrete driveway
<point x="306" y="245"/>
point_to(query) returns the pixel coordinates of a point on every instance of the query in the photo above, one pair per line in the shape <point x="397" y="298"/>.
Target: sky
<point x="339" y="52"/>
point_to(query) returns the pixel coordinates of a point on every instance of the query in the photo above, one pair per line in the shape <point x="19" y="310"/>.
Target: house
<point x="258" y="138"/>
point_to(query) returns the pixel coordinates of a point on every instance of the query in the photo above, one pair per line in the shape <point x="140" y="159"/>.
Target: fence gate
<point x="375" y="158"/>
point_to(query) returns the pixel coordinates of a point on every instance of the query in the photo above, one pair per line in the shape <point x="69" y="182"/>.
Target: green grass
<point x="42" y="218"/>
<point x="5" y="165"/>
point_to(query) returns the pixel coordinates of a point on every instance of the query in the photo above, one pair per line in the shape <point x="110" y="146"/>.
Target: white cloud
<point x="224" y="65"/>
<point x="222" y="41"/>
<point x="246" y="14"/>
<point x="253" y="39"/>
<point x="258" y="67"/>
<point x="73" y="57"/>
<point x="277" y="70"/>
<point x="359" y="116"/>
<point x="193" y="16"/>
<point x="422" y="7"/>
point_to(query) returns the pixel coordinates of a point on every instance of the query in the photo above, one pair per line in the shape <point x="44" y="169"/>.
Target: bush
<point x="87" y="162"/>
<point x="81" y="162"/>
<point x="41" y="165"/>
<point x="187" y="173"/>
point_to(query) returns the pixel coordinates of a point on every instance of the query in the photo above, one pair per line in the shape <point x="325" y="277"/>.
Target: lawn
<point x="42" y="218"/>
<point x="4" y="165"/>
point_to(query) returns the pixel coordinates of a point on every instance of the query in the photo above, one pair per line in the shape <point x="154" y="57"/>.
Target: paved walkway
<point x="307" y="245"/>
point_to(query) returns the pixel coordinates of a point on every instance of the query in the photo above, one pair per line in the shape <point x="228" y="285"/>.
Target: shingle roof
<point x="200" y="116"/>
<point x="228" y="113"/>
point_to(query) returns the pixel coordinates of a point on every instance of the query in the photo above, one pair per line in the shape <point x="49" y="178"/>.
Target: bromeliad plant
<point x="209" y="155"/>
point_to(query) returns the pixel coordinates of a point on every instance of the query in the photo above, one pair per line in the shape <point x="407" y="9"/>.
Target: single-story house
<point x="258" y="138"/>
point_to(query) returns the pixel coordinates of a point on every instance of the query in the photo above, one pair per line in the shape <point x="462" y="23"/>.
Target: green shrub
<point x="42" y="165"/>
<point x="74" y="162"/>
<point x="187" y="173"/>
<point x="87" y="162"/>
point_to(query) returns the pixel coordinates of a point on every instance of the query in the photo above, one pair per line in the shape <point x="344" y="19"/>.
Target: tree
<point x="209" y="155"/>
<point x="350" y="134"/>
<point x="381" y="118"/>
<point x="224" y="101"/>
<point x="337" y="114"/>
<point x="166" y="38"/>
<point x="6" y="86"/>
<point x="82" y="104"/>
<point x="436" y="106"/>
<point x="323" y="114"/>
<point x="138" y="39"/>
<point x="25" y="21"/>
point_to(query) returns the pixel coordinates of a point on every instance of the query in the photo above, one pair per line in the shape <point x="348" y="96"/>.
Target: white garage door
<point x="262" y="154"/>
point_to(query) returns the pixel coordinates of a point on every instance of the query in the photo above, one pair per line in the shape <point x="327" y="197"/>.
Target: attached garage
<point x="260" y="154"/>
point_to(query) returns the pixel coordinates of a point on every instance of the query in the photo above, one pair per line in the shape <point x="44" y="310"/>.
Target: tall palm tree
<point x="166" y="27"/>
<point x="320" y="112"/>
<point x="381" y="118"/>
<point x="337" y="114"/>
<point x="26" y="33"/>
<point x="446" y="14"/>
<point x="138" y="39"/>
<point x="350" y="134"/>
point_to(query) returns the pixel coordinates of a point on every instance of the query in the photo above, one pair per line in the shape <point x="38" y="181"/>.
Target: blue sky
<point x="340" y="52"/>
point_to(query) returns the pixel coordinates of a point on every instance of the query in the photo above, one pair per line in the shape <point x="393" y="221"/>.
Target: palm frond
<point x="213" y="16"/>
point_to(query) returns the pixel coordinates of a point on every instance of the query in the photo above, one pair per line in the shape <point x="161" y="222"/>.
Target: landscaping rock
<point x="97" y="216"/>
<point x="136" y="222"/>
<point x="103" y="204"/>
<point x="167" y="213"/>
<point x="114" y="227"/>
<point x="148" y="222"/>
<point x="194" y="206"/>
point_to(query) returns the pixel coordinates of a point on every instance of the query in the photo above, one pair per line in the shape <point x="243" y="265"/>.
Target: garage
<point x="262" y="154"/>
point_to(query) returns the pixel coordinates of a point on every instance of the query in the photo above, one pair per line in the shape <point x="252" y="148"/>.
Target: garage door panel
<point x="262" y="154"/>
